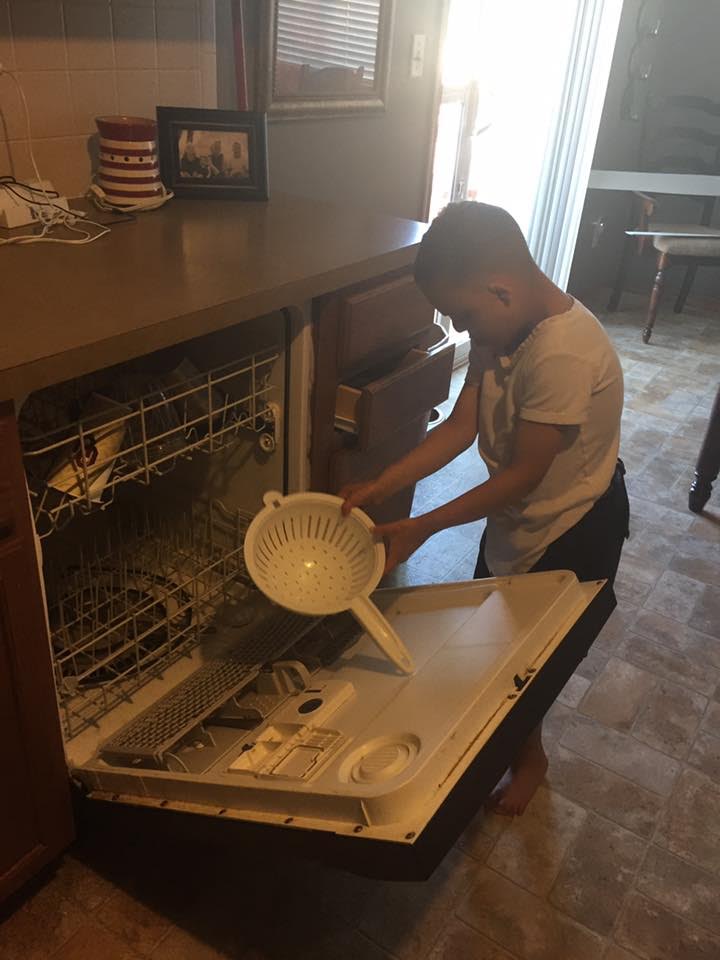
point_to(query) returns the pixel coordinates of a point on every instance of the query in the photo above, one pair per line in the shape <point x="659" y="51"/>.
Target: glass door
<point x="523" y="86"/>
<point x="451" y="167"/>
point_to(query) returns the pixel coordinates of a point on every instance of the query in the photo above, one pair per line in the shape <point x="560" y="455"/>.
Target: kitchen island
<point x="334" y="286"/>
<point x="190" y="268"/>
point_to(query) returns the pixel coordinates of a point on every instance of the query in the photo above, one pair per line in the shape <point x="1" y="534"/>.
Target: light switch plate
<point x="417" y="59"/>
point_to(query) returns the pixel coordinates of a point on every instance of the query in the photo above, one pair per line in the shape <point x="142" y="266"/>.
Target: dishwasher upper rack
<point x="121" y="617"/>
<point x="199" y="412"/>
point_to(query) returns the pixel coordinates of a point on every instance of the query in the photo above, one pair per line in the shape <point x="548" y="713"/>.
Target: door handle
<point x="598" y="230"/>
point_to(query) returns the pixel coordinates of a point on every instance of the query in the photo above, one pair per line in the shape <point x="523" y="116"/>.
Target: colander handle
<point x="382" y="633"/>
<point x="272" y="498"/>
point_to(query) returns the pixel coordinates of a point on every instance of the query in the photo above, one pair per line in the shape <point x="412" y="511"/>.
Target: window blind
<point x="329" y="33"/>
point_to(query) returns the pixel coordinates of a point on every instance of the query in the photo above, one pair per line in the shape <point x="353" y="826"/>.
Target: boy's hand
<point x="401" y="539"/>
<point x="360" y="495"/>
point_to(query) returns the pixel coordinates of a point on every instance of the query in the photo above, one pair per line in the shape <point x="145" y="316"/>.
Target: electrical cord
<point x="49" y="214"/>
<point x="16" y="187"/>
<point x="99" y="198"/>
<point x="8" y="181"/>
<point x="11" y="185"/>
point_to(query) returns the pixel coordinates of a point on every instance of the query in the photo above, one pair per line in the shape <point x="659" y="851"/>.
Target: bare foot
<point x="517" y="787"/>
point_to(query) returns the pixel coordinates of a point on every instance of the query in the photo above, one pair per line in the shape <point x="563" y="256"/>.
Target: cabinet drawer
<point x="373" y="321"/>
<point x="375" y="410"/>
<point x="352" y="465"/>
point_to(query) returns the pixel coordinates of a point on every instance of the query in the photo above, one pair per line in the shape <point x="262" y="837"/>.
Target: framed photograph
<point x="213" y="153"/>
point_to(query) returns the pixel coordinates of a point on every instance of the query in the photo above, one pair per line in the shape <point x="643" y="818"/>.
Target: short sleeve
<point x="556" y="389"/>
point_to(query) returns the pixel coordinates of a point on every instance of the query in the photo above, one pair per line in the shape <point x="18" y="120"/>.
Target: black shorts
<point x="592" y="548"/>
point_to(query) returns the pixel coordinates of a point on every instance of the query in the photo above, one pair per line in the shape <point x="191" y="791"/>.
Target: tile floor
<point x="618" y="857"/>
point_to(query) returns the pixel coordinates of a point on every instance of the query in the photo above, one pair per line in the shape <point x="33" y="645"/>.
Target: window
<point x="330" y="33"/>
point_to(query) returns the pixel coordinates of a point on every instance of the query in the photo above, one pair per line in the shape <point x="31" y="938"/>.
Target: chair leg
<point x="687" y="283"/>
<point x="621" y="276"/>
<point x="662" y="264"/>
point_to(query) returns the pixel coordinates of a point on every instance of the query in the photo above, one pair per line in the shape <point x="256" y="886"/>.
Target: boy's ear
<point x="502" y="292"/>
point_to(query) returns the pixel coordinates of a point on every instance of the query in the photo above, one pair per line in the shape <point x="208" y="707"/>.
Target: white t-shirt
<point x="565" y="372"/>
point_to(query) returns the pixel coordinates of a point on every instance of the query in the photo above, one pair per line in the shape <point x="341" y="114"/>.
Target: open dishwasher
<point x="181" y="688"/>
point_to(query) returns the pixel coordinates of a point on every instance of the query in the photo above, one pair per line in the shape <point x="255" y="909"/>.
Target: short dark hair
<point x="468" y="238"/>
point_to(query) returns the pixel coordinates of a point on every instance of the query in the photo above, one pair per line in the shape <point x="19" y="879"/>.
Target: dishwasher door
<point x="371" y="770"/>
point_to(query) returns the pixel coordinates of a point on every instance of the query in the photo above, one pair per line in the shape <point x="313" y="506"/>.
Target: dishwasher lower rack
<point x="122" y="616"/>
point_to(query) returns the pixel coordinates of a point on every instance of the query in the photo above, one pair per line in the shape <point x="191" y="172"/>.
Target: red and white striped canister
<point x="129" y="171"/>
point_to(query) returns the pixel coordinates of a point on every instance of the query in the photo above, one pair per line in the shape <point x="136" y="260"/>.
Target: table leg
<point x="708" y="464"/>
<point x="621" y="276"/>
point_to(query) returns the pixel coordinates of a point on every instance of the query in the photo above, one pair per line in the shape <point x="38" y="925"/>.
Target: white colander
<point x="306" y="556"/>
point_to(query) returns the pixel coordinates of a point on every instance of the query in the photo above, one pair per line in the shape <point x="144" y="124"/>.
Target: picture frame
<point x="213" y="153"/>
<point x="238" y="28"/>
<point x="294" y="90"/>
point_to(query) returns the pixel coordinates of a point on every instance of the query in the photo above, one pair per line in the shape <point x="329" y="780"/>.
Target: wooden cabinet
<point x="377" y="407"/>
<point x="374" y="384"/>
<point x="350" y="464"/>
<point x="222" y="270"/>
<point x="35" y="810"/>
<point x="374" y="318"/>
<point x="366" y="325"/>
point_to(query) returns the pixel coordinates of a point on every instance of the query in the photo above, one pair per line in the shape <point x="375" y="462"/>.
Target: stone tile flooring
<point x="618" y="857"/>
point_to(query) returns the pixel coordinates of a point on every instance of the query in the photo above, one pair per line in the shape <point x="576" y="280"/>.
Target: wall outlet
<point x="417" y="58"/>
<point x="20" y="206"/>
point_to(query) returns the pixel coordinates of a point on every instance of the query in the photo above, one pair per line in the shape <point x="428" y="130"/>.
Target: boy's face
<point x="490" y="310"/>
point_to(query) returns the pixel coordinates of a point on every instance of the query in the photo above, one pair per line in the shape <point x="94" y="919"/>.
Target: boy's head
<point x="475" y="267"/>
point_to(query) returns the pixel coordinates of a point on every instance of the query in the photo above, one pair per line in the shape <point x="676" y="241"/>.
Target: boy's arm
<point x="535" y="447"/>
<point x="441" y="446"/>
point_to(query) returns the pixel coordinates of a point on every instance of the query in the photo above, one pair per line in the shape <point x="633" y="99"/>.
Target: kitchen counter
<point x="191" y="268"/>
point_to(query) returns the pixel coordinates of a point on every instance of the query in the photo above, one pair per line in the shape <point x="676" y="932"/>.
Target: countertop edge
<point x="16" y="383"/>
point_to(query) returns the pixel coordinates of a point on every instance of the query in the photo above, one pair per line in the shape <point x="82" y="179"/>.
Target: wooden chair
<point x="681" y="135"/>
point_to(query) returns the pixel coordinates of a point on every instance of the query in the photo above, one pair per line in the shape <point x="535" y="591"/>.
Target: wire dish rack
<point x="78" y="450"/>
<point x="121" y="617"/>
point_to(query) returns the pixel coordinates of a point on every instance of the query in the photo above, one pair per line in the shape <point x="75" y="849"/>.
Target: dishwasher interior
<point x="142" y="480"/>
<point x="179" y="685"/>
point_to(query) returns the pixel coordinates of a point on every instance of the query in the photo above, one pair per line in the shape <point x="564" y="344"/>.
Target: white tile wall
<point x="78" y="59"/>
